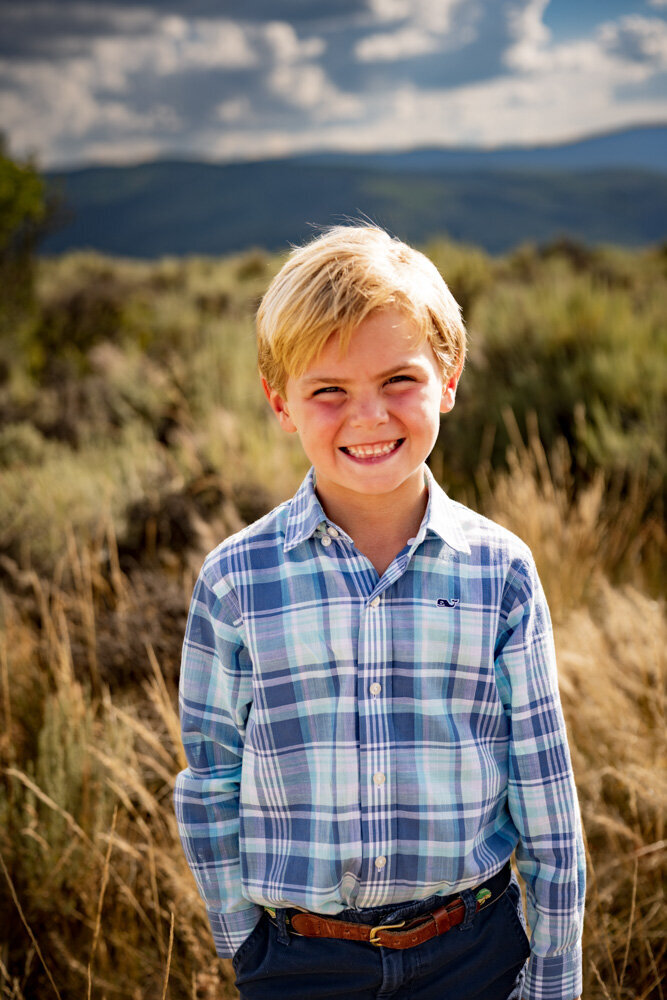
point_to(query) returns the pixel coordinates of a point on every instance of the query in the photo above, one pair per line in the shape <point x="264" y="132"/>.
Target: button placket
<point x="374" y="690"/>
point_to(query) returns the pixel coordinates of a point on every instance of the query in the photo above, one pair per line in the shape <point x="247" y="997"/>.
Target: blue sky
<point x="569" y="19"/>
<point x="125" y="80"/>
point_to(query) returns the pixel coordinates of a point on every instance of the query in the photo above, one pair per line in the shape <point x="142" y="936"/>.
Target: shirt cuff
<point x="231" y="929"/>
<point x="557" y="977"/>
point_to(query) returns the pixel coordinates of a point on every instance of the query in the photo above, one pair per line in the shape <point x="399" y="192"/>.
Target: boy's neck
<point x="379" y="526"/>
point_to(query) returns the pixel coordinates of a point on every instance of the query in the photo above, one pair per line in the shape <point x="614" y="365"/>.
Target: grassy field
<point x="133" y="437"/>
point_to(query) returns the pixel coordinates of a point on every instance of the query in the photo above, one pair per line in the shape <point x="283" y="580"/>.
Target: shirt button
<point x="380" y="862"/>
<point x="332" y="531"/>
<point x="326" y="540"/>
<point x="375" y="602"/>
<point x="379" y="778"/>
<point x="375" y="688"/>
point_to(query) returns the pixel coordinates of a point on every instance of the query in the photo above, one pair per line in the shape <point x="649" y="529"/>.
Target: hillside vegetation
<point x="134" y="436"/>
<point x="217" y="208"/>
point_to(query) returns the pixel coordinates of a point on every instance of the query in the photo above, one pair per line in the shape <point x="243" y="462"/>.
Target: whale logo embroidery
<point x="442" y="603"/>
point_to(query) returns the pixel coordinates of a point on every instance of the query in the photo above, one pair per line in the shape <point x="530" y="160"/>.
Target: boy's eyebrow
<point x="310" y="379"/>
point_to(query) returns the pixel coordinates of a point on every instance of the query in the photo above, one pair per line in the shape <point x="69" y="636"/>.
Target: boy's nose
<point x="368" y="411"/>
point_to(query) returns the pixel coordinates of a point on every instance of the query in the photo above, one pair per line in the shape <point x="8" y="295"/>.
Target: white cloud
<point x="558" y="105"/>
<point x="307" y="86"/>
<point x="435" y="16"/>
<point x="286" y="46"/>
<point x="389" y="10"/>
<point x="528" y="34"/>
<point x="638" y="39"/>
<point x="53" y="106"/>
<point x="402" y="44"/>
<point x="236" y="109"/>
<point x="296" y="80"/>
<point x="177" y="47"/>
<point x="657" y="3"/>
<point x="87" y="104"/>
<point x="60" y="112"/>
<point x="429" y="27"/>
<point x="628" y="51"/>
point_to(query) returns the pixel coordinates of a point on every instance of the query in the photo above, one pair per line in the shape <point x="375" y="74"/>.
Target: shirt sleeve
<point x="214" y="700"/>
<point x="542" y="796"/>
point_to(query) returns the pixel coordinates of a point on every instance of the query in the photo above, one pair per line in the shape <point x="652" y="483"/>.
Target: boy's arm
<point x="215" y="694"/>
<point x="541" y="792"/>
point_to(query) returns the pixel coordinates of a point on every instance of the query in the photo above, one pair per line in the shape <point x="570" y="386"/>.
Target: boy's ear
<point x="279" y="407"/>
<point x="449" y="390"/>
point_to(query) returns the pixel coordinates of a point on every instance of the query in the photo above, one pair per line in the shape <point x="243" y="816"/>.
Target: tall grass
<point x="99" y="894"/>
<point x="89" y="839"/>
<point x="135" y="437"/>
<point x="611" y="646"/>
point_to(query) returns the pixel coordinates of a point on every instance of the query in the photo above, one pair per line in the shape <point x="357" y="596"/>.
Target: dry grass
<point x="107" y="905"/>
<point x="129" y="449"/>
<point x="612" y="666"/>
<point x="611" y="643"/>
<point x="89" y="838"/>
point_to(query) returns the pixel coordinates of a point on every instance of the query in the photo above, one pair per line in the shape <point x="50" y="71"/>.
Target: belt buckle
<point x="382" y="927"/>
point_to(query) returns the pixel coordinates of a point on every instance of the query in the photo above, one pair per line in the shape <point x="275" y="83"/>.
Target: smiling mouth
<point x="366" y="451"/>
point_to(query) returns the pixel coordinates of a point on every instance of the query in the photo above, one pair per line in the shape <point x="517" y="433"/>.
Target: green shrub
<point x="583" y="357"/>
<point x="21" y="444"/>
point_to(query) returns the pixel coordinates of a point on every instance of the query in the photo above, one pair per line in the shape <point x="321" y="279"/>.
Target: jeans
<point x="483" y="958"/>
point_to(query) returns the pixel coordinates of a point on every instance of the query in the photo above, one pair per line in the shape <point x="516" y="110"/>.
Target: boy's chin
<point x="371" y="479"/>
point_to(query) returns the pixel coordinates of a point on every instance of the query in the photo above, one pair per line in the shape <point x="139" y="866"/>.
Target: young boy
<point x="369" y="697"/>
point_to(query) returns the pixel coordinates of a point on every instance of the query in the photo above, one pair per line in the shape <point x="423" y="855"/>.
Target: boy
<point x="369" y="698"/>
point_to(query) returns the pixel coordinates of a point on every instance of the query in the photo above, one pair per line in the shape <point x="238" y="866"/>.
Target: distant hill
<point x="609" y="189"/>
<point x="643" y="148"/>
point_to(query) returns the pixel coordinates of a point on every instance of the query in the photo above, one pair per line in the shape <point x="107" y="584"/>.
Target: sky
<point x="125" y="81"/>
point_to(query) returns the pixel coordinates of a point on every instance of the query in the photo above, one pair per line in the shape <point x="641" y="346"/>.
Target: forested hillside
<point x="154" y="209"/>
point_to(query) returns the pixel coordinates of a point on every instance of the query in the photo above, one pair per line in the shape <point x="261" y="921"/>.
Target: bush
<point x="24" y="212"/>
<point x="581" y="357"/>
<point x="21" y="444"/>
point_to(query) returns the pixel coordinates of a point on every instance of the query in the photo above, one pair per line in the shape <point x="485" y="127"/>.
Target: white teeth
<point x="371" y="450"/>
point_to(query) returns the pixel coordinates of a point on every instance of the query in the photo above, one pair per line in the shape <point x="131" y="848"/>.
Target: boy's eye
<point x="327" y="389"/>
<point x="400" y="378"/>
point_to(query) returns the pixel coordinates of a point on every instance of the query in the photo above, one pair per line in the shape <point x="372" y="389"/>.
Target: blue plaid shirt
<point x="356" y="740"/>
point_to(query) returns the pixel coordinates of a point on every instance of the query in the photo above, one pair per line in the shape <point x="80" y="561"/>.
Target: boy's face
<point x="368" y="419"/>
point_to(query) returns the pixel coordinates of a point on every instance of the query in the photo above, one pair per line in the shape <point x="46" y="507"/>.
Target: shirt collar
<point x="306" y="515"/>
<point x="441" y="518"/>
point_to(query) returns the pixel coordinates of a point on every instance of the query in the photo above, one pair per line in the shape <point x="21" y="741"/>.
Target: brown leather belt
<point x="405" y="934"/>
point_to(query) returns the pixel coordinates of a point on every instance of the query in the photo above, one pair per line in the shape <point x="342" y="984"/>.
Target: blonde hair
<point x="332" y="284"/>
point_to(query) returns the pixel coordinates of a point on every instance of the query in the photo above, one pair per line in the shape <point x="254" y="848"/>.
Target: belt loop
<point x="468" y="897"/>
<point x="281" y="923"/>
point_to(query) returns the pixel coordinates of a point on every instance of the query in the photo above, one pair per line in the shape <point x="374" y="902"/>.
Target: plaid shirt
<point x="356" y="740"/>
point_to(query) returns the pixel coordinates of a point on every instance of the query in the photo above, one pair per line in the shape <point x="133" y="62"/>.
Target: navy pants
<point x="481" y="959"/>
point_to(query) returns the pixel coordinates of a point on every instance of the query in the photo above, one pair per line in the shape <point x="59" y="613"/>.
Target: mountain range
<point x="603" y="189"/>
